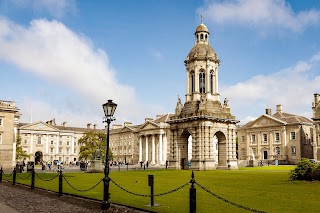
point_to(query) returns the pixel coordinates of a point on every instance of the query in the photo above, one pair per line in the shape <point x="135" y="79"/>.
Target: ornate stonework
<point x="208" y="122"/>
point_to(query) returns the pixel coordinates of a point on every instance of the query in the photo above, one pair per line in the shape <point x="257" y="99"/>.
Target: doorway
<point x="38" y="158"/>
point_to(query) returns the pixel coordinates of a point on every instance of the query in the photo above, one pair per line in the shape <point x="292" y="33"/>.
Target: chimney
<point x="279" y="108"/>
<point x="64" y="123"/>
<point x="115" y="126"/>
<point x="127" y="124"/>
<point x="148" y="119"/>
<point x="89" y="126"/>
<point x="94" y="126"/>
<point x="268" y="111"/>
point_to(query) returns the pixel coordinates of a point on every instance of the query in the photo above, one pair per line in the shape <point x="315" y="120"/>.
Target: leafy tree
<point x="90" y="142"/>
<point x="20" y="154"/>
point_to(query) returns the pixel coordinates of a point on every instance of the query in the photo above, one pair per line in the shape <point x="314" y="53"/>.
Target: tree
<point x="20" y="154"/>
<point x="90" y="142"/>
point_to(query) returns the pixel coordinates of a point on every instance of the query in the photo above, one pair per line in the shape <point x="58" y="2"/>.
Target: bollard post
<point x="119" y="167"/>
<point x="14" y="176"/>
<point x="32" y="178"/>
<point x="60" y="183"/>
<point x="151" y="183"/>
<point x="192" y="195"/>
<point x="1" y="171"/>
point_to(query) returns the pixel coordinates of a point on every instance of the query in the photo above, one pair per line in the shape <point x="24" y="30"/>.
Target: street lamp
<point x="109" y="108"/>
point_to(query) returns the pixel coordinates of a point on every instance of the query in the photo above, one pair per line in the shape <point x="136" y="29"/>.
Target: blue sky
<point x="64" y="59"/>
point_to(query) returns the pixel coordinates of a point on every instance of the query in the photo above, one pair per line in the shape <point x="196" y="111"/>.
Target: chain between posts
<point x="48" y="179"/>
<point x="84" y="190"/>
<point x="228" y="201"/>
<point x="7" y="175"/>
<point x="23" y="178"/>
<point x="143" y="195"/>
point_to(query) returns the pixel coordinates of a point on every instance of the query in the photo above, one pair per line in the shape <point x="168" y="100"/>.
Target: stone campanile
<point x="202" y="131"/>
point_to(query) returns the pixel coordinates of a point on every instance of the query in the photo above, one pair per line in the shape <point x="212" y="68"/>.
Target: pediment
<point x="38" y="126"/>
<point x="149" y="125"/>
<point x="264" y="121"/>
<point x="126" y="129"/>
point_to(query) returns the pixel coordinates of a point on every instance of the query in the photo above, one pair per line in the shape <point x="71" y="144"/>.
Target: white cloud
<point x="52" y="51"/>
<point x="264" y="15"/>
<point x="292" y="87"/>
<point x="56" y="8"/>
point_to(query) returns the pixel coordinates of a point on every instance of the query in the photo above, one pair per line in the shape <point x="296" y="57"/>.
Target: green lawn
<point x="266" y="189"/>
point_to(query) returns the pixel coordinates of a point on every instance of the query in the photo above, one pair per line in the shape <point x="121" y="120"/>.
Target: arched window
<point x="211" y="81"/>
<point x="201" y="36"/>
<point x="202" y="82"/>
<point x="192" y="81"/>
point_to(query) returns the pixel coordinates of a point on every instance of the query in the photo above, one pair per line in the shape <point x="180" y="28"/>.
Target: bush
<point x="305" y="170"/>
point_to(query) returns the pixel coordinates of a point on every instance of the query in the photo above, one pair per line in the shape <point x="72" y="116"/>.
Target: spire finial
<point x="201" y="16"/>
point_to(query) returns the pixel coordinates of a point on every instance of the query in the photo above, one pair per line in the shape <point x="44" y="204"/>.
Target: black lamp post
<point x="109" y="109"/>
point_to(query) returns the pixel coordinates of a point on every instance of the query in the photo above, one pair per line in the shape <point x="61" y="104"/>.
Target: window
<point x="201" y="36"/>
<point x="60" y="150"/>
<point x="60" y="143"/>
<point x="1" y="121"/>
<point x="51" y="150"/>
<point x="74" y="151"/>
<point x="293" y="150"/>
<point x="243" y="139"/>
<point x="67" y="150"/>
<point x="39" y="140"/>
<point x="292" y="135"/>
<point x="202" y="82"/>
<point x="243" y="152"/>
<point x="51" y="142"/>
<point x="0" y="138"/>
<point x="75" y="143"/>
<point x="211" y="81"/>
<point x="192" y="82"/>
<point x="25" y="142"/>
<point x="253" y="138"/>
<point x="277" y="150"/>
<point x="67" y="143"/>
<point x="277" y="137"/>
<point x="265" y="138"/>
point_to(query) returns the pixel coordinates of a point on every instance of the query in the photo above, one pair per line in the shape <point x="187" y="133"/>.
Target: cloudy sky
<point x="64" y="59"/>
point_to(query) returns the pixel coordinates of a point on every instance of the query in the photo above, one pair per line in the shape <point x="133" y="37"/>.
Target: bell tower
<point x="202" y="131"/>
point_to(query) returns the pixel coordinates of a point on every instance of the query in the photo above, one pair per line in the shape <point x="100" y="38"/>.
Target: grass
<point x="266" y="189"/>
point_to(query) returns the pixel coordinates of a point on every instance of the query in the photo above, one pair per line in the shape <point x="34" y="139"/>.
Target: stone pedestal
<point x="251" y="163"/>
<point x="95" y="166"/>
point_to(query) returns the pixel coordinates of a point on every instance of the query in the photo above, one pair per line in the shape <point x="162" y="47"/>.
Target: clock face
<point x="40" y="126"/>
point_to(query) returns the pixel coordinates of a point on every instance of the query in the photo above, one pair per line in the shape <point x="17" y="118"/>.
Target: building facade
<point x="279" y="136"/>
<point x="9" y="118"/>
<point x="45" y="141"/>
<point x="316" y="120"/>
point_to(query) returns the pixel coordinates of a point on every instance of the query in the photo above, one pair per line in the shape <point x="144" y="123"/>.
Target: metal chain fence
<point x="47" y="179"/>
<point x="143" y="195"/>
<point x="84" y="190"/>
<point x="228" y="201"/>
<point x="24" y="178"/>
<point x="7" y="175"/>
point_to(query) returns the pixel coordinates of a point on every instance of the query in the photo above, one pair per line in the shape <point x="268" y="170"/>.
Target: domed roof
<point x="202" y="51"/>
<point x="202" y="28"/>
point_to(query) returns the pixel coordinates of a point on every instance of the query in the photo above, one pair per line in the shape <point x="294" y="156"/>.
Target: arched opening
<point x="185" y="150"/>
<point x="38" y="157"/>
<point x="192" y="82"/>
<point x="211" y="81"/>
<point x="202" y="82"/>
<point x="222" y="150"/>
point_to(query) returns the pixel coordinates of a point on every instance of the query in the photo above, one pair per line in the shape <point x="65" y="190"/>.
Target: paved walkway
<point x="19" y="198"/>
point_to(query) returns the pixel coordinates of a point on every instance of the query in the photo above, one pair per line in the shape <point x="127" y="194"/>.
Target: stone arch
<point x="184" y="148"/>
<point x="222" y="150"/>
<point x="38" y="157"/>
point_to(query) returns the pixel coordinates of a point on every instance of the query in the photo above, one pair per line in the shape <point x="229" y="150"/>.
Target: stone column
<point x="147" y="148"/>
<point x="160" y="148"/>
<point x="47" y="144"/>
<point x="140" y="149"/>
<point x="31" y="145"/>
<point x="72" y="146"/>
<point x="153" y="150"/>
<point x="165" y="147"/>
<point x="57" y="145"/>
